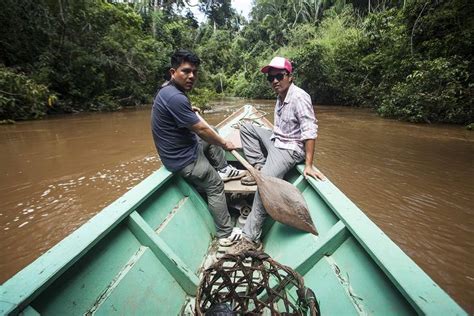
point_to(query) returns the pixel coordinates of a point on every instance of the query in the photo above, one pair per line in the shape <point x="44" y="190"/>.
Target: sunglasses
<point x="278" y="77"/>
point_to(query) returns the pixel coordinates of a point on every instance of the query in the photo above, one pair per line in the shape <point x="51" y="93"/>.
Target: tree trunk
<point x="156" y="7"/>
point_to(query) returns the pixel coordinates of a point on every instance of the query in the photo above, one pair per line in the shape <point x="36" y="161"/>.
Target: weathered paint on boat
<point x="143" y="255"/>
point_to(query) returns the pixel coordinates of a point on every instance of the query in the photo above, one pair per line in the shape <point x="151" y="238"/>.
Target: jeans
<point x="276" y="162"/>
<point x="203" y="176"/>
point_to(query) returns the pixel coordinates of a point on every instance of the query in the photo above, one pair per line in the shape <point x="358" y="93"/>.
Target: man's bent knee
<point x="215" y="186"/>
<point x="246" y="128"/>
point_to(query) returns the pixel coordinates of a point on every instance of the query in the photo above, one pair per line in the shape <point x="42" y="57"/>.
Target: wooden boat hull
<point x="143" y="254"/>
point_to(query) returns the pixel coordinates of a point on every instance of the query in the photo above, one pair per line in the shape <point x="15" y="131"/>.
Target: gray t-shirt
<point x="171" y="120"/>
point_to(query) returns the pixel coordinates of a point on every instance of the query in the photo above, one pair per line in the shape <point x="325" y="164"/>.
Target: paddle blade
<point x="285" y="203"/>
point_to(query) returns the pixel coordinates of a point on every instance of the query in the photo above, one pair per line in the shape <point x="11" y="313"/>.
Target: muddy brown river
<point x="416" y="182"/>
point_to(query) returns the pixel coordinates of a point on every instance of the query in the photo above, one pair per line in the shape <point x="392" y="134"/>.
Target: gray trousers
<point x="204" y="177"/>
<point x="276" y="162"/>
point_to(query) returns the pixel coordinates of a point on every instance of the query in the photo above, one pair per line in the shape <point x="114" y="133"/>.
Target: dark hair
<point x="182" y="55"/>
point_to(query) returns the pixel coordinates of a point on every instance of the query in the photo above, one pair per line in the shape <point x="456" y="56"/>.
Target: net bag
<point x="252" y="283"/>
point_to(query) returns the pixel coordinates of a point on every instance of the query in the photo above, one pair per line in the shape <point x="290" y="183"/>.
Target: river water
<point x="416" y="182"/>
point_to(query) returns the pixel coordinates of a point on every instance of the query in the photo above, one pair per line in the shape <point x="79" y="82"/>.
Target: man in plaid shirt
<point x="276" y="152"/>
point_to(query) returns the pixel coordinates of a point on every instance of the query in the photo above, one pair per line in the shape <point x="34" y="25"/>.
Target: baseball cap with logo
<point x="278" y="63"/>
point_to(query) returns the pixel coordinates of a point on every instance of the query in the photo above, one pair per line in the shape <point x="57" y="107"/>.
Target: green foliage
<point x="443" y="28"/>
<point x="423" y="74"/>
<point x="434" y="92"/>
<point x="383" y="61"/>
<point x="200" y="97"/>
<point x="104" y="103"/>
<point x="96" y="58"/>
<point x="216" y="50"/>
<point x="313" y="74"/>
<point x="410" y="60"/>
<point x="173" y="31"/>
<point x="386" y="58"/>
<point x="330" y="64"/>
<point x="22" y="98"/>
<point x="110" y="57"/>
<point x="251" y="85"/>
<point x="25" y="32"/>
<point x="219" y="12"/>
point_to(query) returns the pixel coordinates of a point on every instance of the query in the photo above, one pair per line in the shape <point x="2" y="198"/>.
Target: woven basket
<point x="252" y="283"/>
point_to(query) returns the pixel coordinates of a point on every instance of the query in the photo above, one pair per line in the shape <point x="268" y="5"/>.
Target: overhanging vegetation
<point x="410" y="60"/>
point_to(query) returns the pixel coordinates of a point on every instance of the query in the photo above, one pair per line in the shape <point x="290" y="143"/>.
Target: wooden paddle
<point x="282" y="200"/>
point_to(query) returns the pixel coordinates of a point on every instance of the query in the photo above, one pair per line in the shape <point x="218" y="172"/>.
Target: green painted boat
<point x="144" y="254"/>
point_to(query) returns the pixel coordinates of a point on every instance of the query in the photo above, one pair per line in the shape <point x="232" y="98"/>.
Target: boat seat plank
<point x="179" y="203"/>
<point x="324" y="246"/>
<point x="234" y="186"/>
<point x="315" y="248"/>
<point x="175" y="266"/>
<point x="189" y="239"/>
<point x="286" y="247"/>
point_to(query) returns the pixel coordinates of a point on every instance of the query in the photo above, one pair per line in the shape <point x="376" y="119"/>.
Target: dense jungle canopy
<point x="407" y="59"/>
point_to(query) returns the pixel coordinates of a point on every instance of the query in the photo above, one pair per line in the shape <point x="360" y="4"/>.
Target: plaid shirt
<point x="294" y="120"/>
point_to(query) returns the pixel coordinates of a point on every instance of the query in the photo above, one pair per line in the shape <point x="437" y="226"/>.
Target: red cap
<point x="278" y="63"/>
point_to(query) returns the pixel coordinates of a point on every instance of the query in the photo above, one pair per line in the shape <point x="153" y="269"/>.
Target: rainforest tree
<point x="409" y="59"/>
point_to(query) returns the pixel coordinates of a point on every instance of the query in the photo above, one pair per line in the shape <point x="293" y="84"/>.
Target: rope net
<point x="252" y="283"/>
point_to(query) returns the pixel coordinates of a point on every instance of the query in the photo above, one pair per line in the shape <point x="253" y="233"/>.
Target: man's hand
<point x="196" y="109"/>
<point x="310" y="171"/>
<point x="228" y="145"/>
